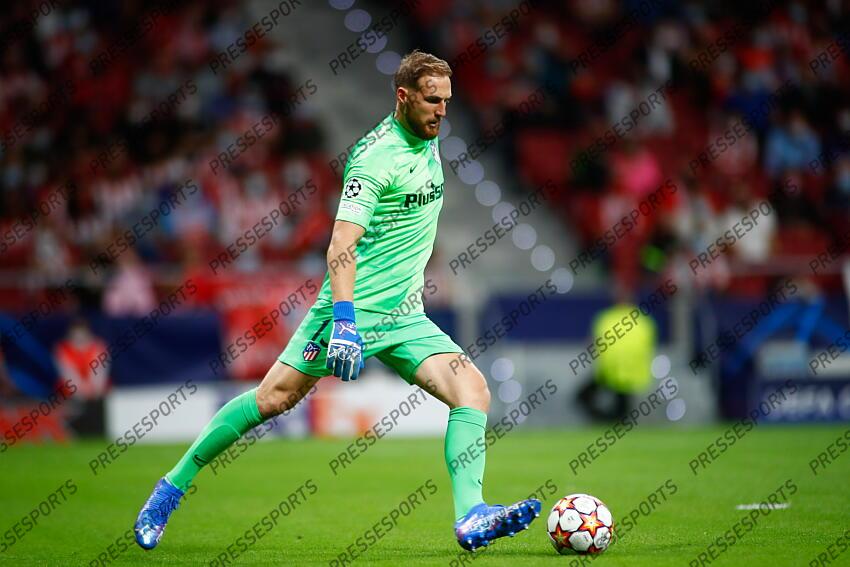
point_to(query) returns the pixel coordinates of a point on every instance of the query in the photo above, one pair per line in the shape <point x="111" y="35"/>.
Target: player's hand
<point x="345" y="349"/>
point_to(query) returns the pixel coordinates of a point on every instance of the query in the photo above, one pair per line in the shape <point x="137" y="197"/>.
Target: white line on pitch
<point x="780" y="506"/>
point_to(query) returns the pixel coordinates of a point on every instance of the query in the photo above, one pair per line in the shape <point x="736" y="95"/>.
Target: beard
<point x="427" y="130"/>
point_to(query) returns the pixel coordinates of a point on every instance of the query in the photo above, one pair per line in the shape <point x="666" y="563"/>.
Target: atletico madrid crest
<point x="311" y="351"/>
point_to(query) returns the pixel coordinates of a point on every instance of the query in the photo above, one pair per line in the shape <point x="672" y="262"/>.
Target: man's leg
<point x="286" y="382"/>
<point x="424" y="355"/>
<point x="464" y="389"/>
<point x="281" y="389"/>
<point x="292" y="376"/>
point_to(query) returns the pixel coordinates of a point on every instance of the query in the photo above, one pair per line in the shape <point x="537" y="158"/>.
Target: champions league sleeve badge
<point x="352" y="188"/>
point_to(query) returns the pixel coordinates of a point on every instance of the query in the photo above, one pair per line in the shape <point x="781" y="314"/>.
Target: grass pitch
<point x="225" y="505"/>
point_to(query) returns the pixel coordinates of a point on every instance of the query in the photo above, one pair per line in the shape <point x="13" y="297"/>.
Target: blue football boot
<point x="152" y="518"/>
<point x="484" y="523"/>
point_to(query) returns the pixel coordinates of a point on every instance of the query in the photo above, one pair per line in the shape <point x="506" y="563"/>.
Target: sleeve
<point x="365" y="179"/>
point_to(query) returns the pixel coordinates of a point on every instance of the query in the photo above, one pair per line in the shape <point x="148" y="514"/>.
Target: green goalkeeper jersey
<point x="393" y="188"/>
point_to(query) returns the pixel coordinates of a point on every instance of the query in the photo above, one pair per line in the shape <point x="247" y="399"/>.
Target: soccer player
<point x="382" y="238"/>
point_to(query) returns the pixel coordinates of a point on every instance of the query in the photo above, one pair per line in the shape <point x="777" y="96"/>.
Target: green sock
<point x="238" y="416"/>
<point x="465" y="457"/>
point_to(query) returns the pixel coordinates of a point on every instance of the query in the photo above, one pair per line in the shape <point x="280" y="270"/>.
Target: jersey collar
<point x="409" y="137"/>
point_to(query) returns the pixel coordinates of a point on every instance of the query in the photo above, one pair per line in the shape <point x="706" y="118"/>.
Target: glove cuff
<point x="344" y="311"/>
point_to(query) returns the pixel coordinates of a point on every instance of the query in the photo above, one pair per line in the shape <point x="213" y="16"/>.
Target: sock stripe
<point x="468" y="415"/>
<point x="466" y="420"/>
<point x="250" y="409"/>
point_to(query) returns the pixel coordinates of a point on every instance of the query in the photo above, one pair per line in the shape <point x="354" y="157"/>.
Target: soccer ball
<point x="580" y="523"/>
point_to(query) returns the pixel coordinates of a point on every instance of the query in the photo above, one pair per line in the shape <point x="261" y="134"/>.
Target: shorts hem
<point x="301" y="369"/>
<point x="412" y="374"/>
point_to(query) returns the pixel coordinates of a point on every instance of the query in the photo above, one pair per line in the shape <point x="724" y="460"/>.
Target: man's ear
<point x="402" y="94"/>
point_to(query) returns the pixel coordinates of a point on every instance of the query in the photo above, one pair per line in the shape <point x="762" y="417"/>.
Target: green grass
<point x="345" y="506"/>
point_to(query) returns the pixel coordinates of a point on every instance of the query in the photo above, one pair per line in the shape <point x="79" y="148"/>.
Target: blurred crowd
<point x="126" y="134"/>
<point x="736" y="104"/>
<point x="129" y="143"/>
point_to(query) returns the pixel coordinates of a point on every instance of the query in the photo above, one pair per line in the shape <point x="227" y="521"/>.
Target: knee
<point x="475" y="393"/>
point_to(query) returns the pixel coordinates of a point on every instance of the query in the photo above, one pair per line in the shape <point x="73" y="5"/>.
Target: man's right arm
<point x="345" y="349"/>
<point x="364" y="182"/>
<point x="342" y="265"/>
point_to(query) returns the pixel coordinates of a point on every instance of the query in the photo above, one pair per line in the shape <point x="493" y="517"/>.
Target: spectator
<point x="636" y="171"/>
<point x="791" y="146"/>
<point x="74" y="355"/>
<point x="130" y="291"/>
<point x="756" y="245"/>
<point x="624" y="369"/>
<point x="740" y="158"/>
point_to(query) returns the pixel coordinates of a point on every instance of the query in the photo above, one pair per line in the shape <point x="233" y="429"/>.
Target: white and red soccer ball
<point x="580" y="523"/>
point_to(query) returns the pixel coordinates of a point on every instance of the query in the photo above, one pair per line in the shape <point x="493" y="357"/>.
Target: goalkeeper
<point x="382" y="239"/>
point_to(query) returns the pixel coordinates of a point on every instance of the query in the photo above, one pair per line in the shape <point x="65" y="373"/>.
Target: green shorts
<point x="401" y="342"/>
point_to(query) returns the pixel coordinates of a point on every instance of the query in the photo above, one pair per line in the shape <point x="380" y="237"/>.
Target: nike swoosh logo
<point x="412" y="167"/>
<point x="200" y="461"/>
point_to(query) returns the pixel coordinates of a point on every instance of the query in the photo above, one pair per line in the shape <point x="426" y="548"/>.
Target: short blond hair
<point x="418" y="64"/>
